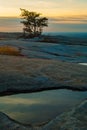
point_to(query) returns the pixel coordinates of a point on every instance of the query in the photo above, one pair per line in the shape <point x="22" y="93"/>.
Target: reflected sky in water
<point x="40" y="107"/>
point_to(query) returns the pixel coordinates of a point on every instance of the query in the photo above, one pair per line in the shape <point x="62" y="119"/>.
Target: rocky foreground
<point x="39" y="68"/>
<point x="76" y="119"/>
<point x="18" y="74"/>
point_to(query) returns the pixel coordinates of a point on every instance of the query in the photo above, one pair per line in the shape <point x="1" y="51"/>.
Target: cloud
<point x="70" y="19"/>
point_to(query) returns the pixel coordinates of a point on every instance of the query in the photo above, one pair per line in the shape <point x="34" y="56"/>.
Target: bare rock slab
<point x="18" y="74"/>
<point x="73" y="120"/>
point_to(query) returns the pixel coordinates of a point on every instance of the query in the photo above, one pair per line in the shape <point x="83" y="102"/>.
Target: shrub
<point x="9" y="50"/>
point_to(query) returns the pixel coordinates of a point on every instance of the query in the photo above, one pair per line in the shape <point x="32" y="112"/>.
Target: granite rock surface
<point x="18" y="74"/>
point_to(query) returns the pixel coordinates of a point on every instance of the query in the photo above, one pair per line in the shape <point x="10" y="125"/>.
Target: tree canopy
<point x="33" y="23"/>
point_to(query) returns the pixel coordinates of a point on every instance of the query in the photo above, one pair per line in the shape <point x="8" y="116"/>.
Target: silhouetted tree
<point x="33" y="23"/>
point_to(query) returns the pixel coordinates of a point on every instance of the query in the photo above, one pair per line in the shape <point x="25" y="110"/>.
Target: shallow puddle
<point x="40" y="107"/>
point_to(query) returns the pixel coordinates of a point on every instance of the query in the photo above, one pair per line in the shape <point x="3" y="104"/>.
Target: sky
<point x="63" y="15"/>
<point x="71" y="11"/>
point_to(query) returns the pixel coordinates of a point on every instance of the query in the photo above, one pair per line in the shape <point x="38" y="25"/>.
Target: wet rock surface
<point x="76" y="119"/>
<point x="73" y="120"/>
<point x="7" y="123"/>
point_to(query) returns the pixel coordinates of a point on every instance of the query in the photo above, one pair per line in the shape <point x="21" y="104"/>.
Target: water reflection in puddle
<point x="40" y="107"/>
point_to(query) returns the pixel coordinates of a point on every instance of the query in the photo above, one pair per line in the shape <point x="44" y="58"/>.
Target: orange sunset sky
<point x="64" y="10"/>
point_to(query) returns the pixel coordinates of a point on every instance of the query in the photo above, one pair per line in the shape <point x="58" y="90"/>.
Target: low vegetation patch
<point x="9" y="50"/>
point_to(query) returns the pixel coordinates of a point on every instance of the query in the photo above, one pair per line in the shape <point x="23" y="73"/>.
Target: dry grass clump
<point x="9" y="50"/>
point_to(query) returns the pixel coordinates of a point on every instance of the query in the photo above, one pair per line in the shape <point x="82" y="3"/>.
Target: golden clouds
<point x="49" y="8"/>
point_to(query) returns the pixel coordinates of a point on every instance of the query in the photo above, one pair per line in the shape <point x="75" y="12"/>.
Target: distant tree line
<point x="33" y="23"/>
